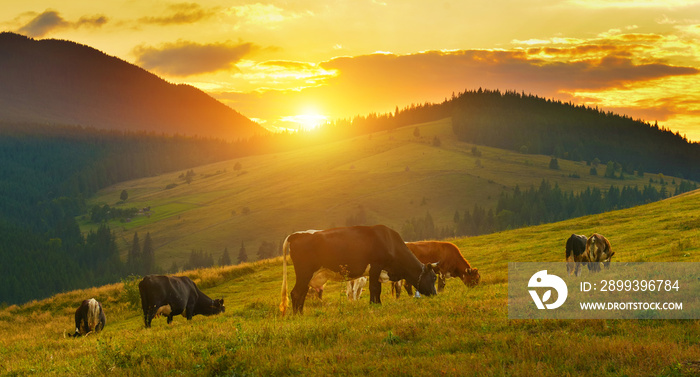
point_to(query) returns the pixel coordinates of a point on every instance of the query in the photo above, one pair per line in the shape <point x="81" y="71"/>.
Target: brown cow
<point x="348" y="253"/>
<point x="450" y="261"/>
<point x="598" y="250"/>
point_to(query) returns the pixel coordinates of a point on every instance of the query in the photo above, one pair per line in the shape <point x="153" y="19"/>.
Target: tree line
<point x="546" y="203"/>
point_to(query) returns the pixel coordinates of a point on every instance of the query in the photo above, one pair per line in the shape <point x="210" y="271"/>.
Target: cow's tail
<point x="93" y="314"/>
<point x="285" y="300"/>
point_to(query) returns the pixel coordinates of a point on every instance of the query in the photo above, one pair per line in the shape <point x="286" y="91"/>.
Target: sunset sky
<point x="288" y="64"/>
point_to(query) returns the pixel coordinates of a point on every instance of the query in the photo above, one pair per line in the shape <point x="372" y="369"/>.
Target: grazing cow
<point x="89" y="318"/>
<point x="598" y="250"/>
<point x="348" y="253"/>
<point x="174" y="295"/>
<point x="354" y="289"/>
<point x="576" y="254"/>
<point x="450" y="262"/>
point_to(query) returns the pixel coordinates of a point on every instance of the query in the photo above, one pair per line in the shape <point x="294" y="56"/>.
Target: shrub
<point x="131" y="294"/>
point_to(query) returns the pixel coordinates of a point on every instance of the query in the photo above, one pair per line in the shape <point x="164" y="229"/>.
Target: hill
<point x="464" y="331"/>
<point x="394" y="178"/>
<point x="61" y="82"/>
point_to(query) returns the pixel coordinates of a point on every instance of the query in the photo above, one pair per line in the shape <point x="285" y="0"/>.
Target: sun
<point x="306" y="121"/>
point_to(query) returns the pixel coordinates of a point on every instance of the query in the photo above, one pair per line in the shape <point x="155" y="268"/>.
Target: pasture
<point x="464" y="331"/>
<point x="391" y="176"/>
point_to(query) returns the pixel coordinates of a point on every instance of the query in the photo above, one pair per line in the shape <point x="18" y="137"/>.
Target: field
<point x="464" y="331"/>
<point x="393" y="176"/>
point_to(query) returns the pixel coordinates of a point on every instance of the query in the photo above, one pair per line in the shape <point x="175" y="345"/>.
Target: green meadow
<point x="391" y="176"/>
<point x="464" y="331"/>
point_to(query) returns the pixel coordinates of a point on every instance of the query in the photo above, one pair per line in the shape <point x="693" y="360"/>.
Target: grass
<point x="464" y="331"/>
<point x="393" y="176"/>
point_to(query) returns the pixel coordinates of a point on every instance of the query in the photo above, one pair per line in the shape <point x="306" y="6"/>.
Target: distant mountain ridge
<point x="61" y="82"/>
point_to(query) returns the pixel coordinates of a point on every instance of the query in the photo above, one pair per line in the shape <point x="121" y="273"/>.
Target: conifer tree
<point x="133" y="261"/>
<point x="242" y="254"/>
<point x="148" y="255"/>
<point x="225" y="259"/>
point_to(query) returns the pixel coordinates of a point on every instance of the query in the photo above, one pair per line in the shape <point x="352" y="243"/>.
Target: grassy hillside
<point x="394" y="176"/>
<point x="464" y="331"/>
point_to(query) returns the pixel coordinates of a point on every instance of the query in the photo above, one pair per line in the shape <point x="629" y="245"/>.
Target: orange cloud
<point x="51" y="20"/>
<point x="380" y="82"/>
<point x="185" y="58"/>
<point x="181" y="13"/>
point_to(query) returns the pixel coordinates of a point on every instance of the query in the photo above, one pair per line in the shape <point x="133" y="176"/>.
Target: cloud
<point x="181" y="13"/>
<point x="51" y="20"/>
<point x="380" y="82"/>
<point x="184" y="58"/>
<point x="43" y="23"/>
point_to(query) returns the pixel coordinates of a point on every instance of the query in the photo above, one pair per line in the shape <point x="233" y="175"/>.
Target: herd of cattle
<point x="342" y="254"/>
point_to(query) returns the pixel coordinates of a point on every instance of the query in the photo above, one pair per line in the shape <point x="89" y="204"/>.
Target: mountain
<point x="61" y="82"/>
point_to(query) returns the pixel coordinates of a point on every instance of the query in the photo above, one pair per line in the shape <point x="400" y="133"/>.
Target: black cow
<point x="576" y="253"/>
<point x="348" y="253"/>
<point x="89" y="318"/>
<point x="179" y="293"/>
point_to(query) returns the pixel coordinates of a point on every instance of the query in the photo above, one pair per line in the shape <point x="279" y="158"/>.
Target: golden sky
<point x="292" y="63"/>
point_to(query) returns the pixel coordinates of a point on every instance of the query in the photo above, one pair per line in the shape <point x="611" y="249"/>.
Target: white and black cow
<point x="89" y="318"/>
<point x="348" y="253"/>
<point x="175" y="295"/>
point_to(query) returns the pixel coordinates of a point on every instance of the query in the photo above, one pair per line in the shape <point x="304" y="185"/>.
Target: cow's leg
<point x="149" y="312"/>
<point x="441" y="282"/>
<point x="85" y="323"/>
<point x="570" y="265"/>
<point x="577" y="271"/>
<point x="299" y="292"/>
<point x="408" y="288"/>
<point x="375" y="285"/>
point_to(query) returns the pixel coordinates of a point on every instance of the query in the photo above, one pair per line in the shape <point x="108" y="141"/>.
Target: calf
<point x="354" y="288"/>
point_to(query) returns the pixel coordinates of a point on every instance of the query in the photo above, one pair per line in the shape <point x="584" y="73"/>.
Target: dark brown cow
<point x="348" y="253"/>
<point x="174" y="295"/>
<point x="451" y="262"/>
<point x="598" y="250"/>
<point x="89" y="318"/>
<point x="576" y="254"/>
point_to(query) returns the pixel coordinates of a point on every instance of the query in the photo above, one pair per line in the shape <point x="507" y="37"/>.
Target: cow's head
<point x="427" y="278"/>
<point x="217" y="306"/>
<point x="471" y="277"/>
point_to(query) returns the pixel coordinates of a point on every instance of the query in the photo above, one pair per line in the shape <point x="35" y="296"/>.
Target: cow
<point x="348" y="253"/>
<point x="354" y="288"/>
<point x="174" y="295"/>
<point x="576" y="254"/>
<point x="450" y="261"/>
<point x="89" y="318"/>
<point x="598" y="250"/>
